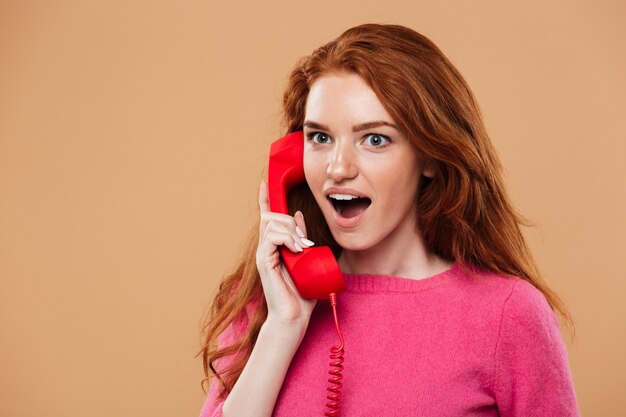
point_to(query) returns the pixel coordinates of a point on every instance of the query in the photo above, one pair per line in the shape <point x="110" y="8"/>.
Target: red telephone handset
<point x="314" y="271"/>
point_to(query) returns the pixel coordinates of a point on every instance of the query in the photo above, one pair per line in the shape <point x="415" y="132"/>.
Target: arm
<point x="288" y="315"/>
<point x="531" y="370"/>
<point x="256" y="390"/>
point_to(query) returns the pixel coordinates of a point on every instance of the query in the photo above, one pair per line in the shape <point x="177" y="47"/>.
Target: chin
<point x="353" y="243"/>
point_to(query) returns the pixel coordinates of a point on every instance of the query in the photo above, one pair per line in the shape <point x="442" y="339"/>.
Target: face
<point x="363" y="172"/>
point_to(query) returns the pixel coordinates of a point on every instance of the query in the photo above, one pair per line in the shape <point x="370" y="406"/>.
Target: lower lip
<point x="347" y="222"/>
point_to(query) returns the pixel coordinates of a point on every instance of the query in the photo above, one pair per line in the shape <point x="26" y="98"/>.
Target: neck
<point x="402" y="254"/>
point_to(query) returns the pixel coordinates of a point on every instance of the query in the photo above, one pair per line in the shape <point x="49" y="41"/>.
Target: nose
<point x="342" y="162"/>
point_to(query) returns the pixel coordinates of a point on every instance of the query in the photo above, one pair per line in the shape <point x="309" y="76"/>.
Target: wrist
<point x="293" y="330"/>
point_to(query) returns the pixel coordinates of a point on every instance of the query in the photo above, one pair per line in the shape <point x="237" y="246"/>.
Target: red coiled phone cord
<point x="336" y="357"/>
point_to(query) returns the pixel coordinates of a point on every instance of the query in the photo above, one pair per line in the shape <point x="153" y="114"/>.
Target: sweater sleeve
<point x="531" y="370"/>
<point x="213" y="405"/>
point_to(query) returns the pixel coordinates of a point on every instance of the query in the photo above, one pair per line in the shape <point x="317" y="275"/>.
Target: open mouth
<point x="349" y="206"/>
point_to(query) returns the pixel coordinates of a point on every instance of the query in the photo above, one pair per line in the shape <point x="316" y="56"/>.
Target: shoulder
<point x="527" y="306"/>
<point x="513" y="288"/>
<point x="525" y="316"/>
<point x="494" y="288"/>
<point x="510" y="298"/>
<point x="526" y="294"/>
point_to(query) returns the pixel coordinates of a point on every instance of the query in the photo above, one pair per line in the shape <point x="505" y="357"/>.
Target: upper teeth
<point x="343" y="196"/>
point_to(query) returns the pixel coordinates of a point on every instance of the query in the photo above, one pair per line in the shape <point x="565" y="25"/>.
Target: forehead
<point x="340" y="97"/>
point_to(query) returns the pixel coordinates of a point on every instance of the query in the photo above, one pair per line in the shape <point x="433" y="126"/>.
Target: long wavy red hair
<point x="464" y="211"/>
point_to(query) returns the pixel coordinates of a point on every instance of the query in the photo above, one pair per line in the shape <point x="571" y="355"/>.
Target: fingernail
<point x="307" y="242"/>
<point x="299" y="232"/>
<point x="298" y="247"/>
<point x="299" y="213"/>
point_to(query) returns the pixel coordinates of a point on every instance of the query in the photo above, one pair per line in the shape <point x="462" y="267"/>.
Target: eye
<point x="319" y="137"/>
<point x="377" y="141"/>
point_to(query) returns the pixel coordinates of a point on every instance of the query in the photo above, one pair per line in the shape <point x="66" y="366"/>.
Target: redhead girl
<point x="445" y="312"/>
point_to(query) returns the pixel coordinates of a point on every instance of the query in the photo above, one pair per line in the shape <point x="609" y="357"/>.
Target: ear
<point x="428" y="170"/>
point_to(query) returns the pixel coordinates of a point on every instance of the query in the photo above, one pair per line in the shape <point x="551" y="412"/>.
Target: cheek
<point x="399" y="187"/>
<point x="313" y="171"/>
<point x="309" y="170"/>
<point x="315" y="178"/>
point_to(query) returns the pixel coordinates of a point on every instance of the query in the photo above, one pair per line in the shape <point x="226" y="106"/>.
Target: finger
<point x="269" y="217"/>
<point x="300" y="226"/>
<point x="275" y="239"/>
<point x="299" y="242"/>
<point x="287" y="224"/>
<point x="264" y="204"/>
<point x="285" y="219"/>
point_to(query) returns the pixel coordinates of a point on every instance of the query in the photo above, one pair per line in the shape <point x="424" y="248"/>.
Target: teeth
<point x="343" y="196"/>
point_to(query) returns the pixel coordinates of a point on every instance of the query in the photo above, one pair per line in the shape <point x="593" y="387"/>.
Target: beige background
<point x="133" y="135"/>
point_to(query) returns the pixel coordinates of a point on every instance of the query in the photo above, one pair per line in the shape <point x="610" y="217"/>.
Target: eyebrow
<point x="355" y="128"/>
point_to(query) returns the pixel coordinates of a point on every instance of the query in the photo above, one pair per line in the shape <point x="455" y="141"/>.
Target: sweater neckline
<point x="362" y="283"/>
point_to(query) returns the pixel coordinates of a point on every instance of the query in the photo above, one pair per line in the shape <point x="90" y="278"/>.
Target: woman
<point x="445" y="312"/>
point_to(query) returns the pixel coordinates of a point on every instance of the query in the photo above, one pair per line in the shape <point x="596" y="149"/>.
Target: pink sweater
<point x="448" y="345"/>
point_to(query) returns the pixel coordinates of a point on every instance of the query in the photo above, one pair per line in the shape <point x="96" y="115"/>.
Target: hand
<point x="285" y="306"/>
